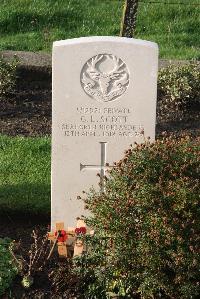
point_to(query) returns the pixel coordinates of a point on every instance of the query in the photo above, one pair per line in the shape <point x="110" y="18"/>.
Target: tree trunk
<point x="129" y="18"/>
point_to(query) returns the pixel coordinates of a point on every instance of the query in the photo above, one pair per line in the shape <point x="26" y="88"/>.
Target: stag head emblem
<point x="104" y="77"/>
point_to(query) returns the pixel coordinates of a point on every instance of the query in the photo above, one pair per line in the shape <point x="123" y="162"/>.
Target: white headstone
<point x="104" y="99"/>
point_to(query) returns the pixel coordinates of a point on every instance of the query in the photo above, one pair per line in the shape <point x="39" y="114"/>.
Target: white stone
<point x="104" y="98"/>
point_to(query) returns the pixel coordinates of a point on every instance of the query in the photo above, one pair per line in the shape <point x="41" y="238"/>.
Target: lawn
<point x="24" y="175"/>
<point x="33" y="25"/>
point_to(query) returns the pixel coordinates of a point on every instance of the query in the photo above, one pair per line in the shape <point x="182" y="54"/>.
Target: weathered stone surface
<point x="104" y="99"/>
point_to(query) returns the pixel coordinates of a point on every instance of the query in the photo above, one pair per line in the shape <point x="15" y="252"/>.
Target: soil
<point x="21" y="230"/>
<point x="44" y="286"/>
<point x="27" y="112"/>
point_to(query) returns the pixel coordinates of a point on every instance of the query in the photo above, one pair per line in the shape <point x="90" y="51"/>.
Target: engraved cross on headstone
<point x="102" y="167"/>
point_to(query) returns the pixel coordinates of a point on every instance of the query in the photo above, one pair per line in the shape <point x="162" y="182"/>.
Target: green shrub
<point x="146" y="225"/>
<point x="7" y="75"/>
<point x="178" y="90"/>
<point x="7" y="268"/>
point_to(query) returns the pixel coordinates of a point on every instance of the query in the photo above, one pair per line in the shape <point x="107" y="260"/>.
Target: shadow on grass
<point x="25" y="200"/>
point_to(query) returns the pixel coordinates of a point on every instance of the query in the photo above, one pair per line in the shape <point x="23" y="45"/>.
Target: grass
<point x="33" y="25"/>
<point x="24" y="175"/>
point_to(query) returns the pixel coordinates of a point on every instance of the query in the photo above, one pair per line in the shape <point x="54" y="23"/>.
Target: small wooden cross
<point x="61" y="235"/>
<point x="79" y="244"/>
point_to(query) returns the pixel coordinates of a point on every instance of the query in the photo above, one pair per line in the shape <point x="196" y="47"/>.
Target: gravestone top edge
<point x="113" y="39"/>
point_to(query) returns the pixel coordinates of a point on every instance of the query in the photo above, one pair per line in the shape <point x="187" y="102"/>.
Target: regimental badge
<point x="104" y="77"/>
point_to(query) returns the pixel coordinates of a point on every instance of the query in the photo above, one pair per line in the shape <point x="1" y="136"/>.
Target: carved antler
<point x="122" y="81"/>
<point x="95" y="60"/>
<point x="116" y="72"/>
<point x="87" y="81"/>
<point x="92" y="71"/>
